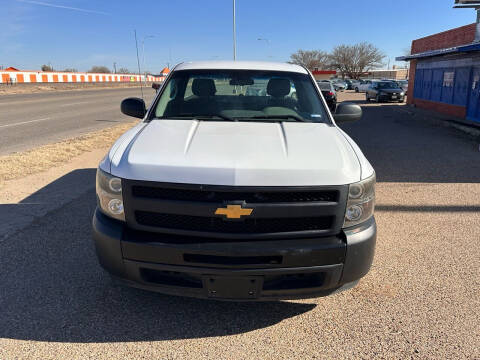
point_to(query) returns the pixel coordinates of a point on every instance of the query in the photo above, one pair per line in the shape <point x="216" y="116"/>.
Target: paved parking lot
<point x="420" y="300"/>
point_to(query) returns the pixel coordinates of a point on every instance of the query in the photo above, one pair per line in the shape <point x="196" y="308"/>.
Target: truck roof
<point x="240" y="65"/>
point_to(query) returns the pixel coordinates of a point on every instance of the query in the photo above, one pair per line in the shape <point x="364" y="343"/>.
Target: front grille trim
<point x="216" y="196"/>
<point x="246" y="226"/>
<point x="332" y="211"/>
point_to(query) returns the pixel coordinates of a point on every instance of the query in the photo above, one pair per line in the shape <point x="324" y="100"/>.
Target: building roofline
<point x="438" y="52"/>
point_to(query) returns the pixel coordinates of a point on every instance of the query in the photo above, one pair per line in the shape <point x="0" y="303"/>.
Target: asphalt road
<point x="419" y="301"/>
<point x="29" y="120"/>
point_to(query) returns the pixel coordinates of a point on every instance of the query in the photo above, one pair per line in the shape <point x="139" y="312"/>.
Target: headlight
<point x="361" y="202"/>
<point x="109" y="194"/>
<point x="402" y="93"/>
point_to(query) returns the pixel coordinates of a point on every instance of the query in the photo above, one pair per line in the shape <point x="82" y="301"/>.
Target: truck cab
<point x="237" y="184"/>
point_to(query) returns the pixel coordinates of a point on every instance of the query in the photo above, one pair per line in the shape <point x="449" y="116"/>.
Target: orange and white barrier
<point x="18" y="77"/>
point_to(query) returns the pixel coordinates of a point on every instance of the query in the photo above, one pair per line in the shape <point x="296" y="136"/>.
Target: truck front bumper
<point x="233" y="269"/>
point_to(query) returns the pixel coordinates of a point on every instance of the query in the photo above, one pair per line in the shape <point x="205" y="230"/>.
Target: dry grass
<point x="33" y="161"/>
<point x="29" y="88"/>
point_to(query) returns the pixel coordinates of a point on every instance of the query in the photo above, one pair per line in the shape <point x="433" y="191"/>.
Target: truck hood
<point x="237" y="153"/>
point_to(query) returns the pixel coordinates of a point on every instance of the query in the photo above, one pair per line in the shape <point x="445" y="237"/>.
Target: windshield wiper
<point x="197" y="117"/>
<point x="223" y="117"/>
<point x="275" y="117"/>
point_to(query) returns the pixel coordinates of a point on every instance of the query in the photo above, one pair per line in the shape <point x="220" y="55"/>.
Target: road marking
<point x="77" y="103"/>
<point x="24" y="122"/>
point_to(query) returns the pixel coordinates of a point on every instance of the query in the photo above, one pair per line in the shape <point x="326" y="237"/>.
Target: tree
<point x="46" y="68"/>
<point x="100" y="69"/>
<point x="70" y="70"/>
<point x="354" y="60"/>
<point x="123" y="71"/>
<point x="311" y="59"/>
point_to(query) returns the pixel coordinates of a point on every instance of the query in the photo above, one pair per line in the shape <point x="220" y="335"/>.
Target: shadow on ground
<point x="403" y="147"/>
<point x="52" y="288"/>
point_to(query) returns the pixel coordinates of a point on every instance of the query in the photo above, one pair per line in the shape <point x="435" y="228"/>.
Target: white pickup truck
<point x="228" y="193"/>
<point x="363" y="86"/>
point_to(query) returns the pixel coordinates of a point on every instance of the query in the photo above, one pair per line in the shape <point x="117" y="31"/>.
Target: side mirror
<point x="156" y="86"/>
<point x="347" y="111"/>
<point x="133" y="107"/>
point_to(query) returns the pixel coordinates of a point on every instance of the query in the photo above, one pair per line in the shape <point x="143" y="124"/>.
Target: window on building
<point x="448" y="77"/>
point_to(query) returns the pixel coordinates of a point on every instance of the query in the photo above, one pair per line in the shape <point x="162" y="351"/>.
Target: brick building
<point x="445" y="73"/>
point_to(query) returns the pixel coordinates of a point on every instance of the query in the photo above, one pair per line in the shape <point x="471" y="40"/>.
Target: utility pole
<point x="114" y="67"/>
<point x="234" y="34"/>
<point x="138" y="63"/>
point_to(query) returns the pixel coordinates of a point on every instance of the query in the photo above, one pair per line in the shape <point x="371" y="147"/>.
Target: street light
<point x="143" y="51"/>
<point x="267" y="41"/>
<point x="234" y="34"/>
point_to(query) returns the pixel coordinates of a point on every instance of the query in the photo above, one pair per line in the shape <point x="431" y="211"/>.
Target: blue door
<point x="473" y="109"/>
<point x="427" y="84"/>
<point x="460" y="89"/>
<point x="437" y="79"/>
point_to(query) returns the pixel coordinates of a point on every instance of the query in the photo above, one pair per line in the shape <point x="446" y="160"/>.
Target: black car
<point x="349" y="84"/>
<point x="329" y="94"/>
<point x="385" y="91"/>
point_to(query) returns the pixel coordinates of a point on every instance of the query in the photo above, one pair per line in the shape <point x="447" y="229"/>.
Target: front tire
<point x="356" y="89"/>
<point x="367" y="99"/>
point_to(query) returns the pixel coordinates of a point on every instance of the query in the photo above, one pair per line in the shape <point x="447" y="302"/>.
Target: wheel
<point x="377" y="98"/>
<point x="356" y="89"/>
<point x="367" y="99"/>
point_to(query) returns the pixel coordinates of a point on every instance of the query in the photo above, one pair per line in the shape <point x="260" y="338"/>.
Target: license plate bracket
<point x="233" y="287"/>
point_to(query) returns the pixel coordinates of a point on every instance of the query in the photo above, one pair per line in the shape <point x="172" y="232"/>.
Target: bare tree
<point x="123" y="71"/>
<point x="354" y="60"/>
<point x="46" y="68"/>
<point x="70" y="70"/>
<point x="100" y="69"/>
<point x="407" y="51"/>
<point x="311" y="59"/>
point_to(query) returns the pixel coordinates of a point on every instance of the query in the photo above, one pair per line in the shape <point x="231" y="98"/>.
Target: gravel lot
<point x="420" y="300"/>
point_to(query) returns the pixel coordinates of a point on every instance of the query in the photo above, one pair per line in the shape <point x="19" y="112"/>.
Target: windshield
<point x="240" y="95"/>
<point x="387" y="85"/>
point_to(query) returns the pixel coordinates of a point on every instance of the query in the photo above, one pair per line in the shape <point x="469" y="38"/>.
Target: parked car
<point x="339" y="85"/>
<point x="364" y="86"/>
<point x="403" y="85"/>
<point x="385" y="91"/>
<point x="219" y="195"/>
<point x="355" y="84"/>
<point x="329" y="94"/>
<point x="349" y="84"/>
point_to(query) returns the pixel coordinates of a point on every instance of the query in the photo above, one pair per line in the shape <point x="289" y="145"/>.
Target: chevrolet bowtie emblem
<point x="233" y="211"/>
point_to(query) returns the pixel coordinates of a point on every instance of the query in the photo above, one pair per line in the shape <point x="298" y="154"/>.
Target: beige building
<point x="395" y="73"/>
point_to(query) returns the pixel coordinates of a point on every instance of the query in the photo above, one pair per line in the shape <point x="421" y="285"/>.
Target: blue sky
<point x="82" y="33"/>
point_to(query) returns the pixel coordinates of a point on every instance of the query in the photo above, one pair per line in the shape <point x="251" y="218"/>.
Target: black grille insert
<point x="221" y="196"/>
<point x="232" y="260"/>
<point x="247" y="226"/>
